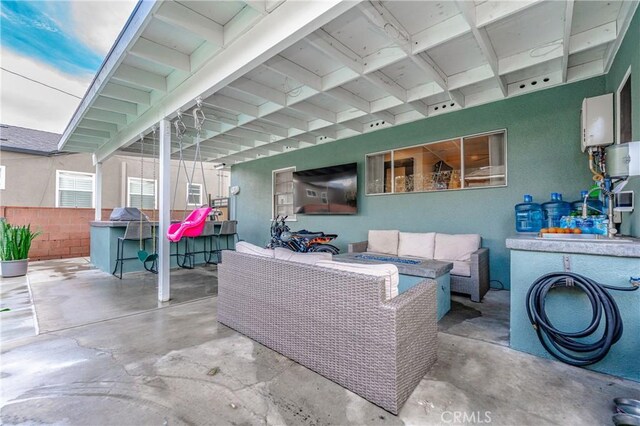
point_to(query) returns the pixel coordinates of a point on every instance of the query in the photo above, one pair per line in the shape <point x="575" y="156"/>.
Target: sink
<point x="596" y="238"/>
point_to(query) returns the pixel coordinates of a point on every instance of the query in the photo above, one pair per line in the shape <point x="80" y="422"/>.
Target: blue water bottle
<point x="554" y="209"/>
<point x="528" y="215"/>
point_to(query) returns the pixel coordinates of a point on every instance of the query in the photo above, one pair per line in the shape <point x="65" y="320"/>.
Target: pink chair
<point x="192" y="226"/>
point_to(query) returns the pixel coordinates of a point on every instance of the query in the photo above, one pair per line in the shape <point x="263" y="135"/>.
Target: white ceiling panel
<point x="327" y="89"/>
<point x="591" y="14"/>
<point x="458" y="55"/>
<point x="354" y="31"/>
<point x="416" y="16"/>
<point x="588" y="55"/>
<point x="480" y="87"/>
<point x="219" y="11"/>
<point x="145" y="65"/>
<point x="167" y="35"/>
<point x="310" y="58"/>
<point x="535" y="26"/>
<point x="406" y="74"/>
<point x="364" y="89"/>
<point x="534" y="72"/>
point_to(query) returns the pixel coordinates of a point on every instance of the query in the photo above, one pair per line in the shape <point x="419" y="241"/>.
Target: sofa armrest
<point x="359" y="247"/>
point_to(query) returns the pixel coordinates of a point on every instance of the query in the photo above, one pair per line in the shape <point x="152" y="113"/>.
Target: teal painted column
<point x="570" y="310"/>
<point x="443" y="293"/>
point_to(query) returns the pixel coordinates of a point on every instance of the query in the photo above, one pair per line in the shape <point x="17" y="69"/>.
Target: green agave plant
<point x="15" y="241"/>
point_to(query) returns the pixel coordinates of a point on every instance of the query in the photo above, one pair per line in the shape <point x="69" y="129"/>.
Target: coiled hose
<point x="559" y="343"/>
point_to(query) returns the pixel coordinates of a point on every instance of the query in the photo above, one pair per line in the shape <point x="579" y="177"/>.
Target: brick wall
<point x="65" y="231"/>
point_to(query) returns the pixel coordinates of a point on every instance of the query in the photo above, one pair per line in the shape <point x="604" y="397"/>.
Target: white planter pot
<point x="13" y="268"/>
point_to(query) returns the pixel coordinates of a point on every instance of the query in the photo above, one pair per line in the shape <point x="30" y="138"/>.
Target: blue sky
<point x="44" y="30"/>
<point x="60" y="44"/>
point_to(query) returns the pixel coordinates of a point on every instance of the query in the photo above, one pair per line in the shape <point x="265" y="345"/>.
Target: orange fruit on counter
<point x="544" y="231"/>
<point x="577" y="231"/>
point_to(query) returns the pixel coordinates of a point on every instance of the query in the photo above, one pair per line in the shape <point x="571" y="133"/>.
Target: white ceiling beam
<point x="349" y="98"/>
<point x="287" y="120"/>
<point x="354" y="125"/>
<point x="424" y="91"/>
<point x="128" y="94"/>
<point x="236" y="141"/>
<point x="495" y="10"/>
<point x="98" y="125"/>
<point x="529" y="58"/>
<point x="270" y="129"/>
<point x="389" y="86"/>
<point x="160" y="54"/>
<point x="231" y="104"/>
<point x="92" y="132"/>
<point x="381" y="18"/>
<point x="568" y="20"/>
<point x="192" y="22"/>
<point x="115" y="105"/>
<point x="327" y="44"/>
<point x="472" y="76"/>
<point x="468" y="10"/>
<point x="315" y="111"/>
<point x="384" y="115"/>
<point x="107" y="116"/>
<point x="294" y="71"/>
<point x="86" y="139"/>
<point x="626" y="14"/>
<point x="140" y="78"/>
<point x="382" y="58"/>
<point x="250" y="135"/>
<point x="592" y="38"/>
<point x="258" y="89"/>
<point x="440" y="33"/>
<point x="284" y="26"/>
<point x="584" y="71"/>
<point x="239" y="24"/>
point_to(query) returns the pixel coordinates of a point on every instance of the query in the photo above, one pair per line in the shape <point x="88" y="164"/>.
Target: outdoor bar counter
<point x="104" y="243"/>
<point x="607" y="261"/>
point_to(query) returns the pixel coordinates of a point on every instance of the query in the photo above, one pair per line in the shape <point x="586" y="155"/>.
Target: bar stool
<point x="187" y="259"/>
<point x="226" y="229"/>
<point x="133" y="232"/>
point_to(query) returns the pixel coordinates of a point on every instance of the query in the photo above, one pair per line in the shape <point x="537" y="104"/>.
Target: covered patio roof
<point x="276" y="76"/>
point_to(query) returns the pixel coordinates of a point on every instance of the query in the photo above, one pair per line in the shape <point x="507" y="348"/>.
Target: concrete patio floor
<point x="109" y="354"/>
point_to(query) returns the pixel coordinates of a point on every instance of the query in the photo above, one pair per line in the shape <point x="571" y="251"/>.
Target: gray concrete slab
<point x="176" y="365"/>
<point x="487" y="321"/>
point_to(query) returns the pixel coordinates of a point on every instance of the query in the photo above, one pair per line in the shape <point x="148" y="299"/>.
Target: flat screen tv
<point x="328" y="190"/>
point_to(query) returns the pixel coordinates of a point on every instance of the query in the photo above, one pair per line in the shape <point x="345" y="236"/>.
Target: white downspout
<point x="164" y="255"/>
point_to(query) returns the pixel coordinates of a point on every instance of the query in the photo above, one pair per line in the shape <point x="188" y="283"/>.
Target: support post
<point x="98" y="189"/>
<point x="164" y="205"/>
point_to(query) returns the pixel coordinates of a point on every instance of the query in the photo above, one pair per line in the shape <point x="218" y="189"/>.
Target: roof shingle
<point x="20" y="139"/>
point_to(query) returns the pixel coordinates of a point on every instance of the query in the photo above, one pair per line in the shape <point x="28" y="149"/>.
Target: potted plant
<point x="15" y="242"/>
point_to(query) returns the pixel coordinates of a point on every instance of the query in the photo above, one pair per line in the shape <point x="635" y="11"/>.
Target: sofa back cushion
<point x="456" y="247"/>
<point x="414" y="244"/>
<point x="388" y="271"/>
<point x="292" y="256"/>
<point x="383" y="242"/>
<point x="248" y="248"/>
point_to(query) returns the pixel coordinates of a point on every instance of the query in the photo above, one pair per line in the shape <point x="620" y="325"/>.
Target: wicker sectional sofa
<point x="470" y="273"/>
<point x="334" y="322"/>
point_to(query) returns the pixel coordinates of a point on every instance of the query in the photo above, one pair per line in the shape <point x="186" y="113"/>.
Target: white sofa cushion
<point x="292" y="256"/>
<point x="248" y="248"/>
<point x="383" y="242"/>
<point x="456" y="247"/>
<point x="461" y="268"/>
<point x="415" y="244"/>
<point x="388" y="271"/>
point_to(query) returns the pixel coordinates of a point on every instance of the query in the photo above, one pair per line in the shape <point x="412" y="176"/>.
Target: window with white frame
<point x="74" y="189"/>
<point x="3" y="171"/>
<point x="283" y="193"/>
<point x="624" y="109"/>
<point x="142" y="193"/>
<point x="194" y="194"/>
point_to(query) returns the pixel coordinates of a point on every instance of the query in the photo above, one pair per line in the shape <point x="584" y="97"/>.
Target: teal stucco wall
<point x="543" y="155"/>
<point x="628" y="56"/>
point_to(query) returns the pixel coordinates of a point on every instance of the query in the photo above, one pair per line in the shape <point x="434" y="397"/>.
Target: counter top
<point x="603" y="247"/>
<point x="123" y="223"/>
